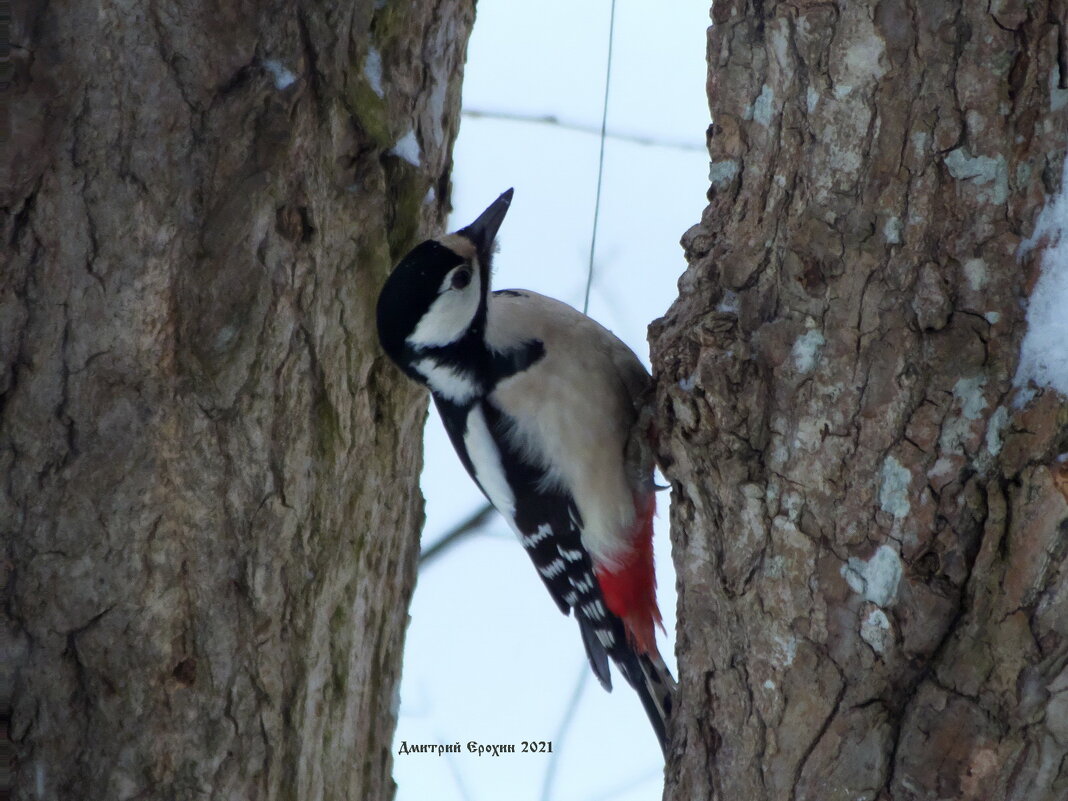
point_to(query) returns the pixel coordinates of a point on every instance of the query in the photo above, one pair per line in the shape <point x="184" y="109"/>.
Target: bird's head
<point x="436" y="295"/>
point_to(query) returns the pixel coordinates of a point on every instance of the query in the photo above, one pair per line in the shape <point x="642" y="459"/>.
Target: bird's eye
<point x="461" y="278"/>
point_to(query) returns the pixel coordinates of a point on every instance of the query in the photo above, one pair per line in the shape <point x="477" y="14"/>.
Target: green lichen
<point x="408" y="187"/>
<point x="391" y="22"/>
<point x="370" y="112"/>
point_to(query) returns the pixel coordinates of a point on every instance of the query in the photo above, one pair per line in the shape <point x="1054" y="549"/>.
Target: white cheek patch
<point x="449" y="316"/>
<point x="447" y="381"/>
<point x="486" y="459"/>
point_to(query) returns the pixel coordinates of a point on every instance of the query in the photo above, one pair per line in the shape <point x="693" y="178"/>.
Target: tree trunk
<point x="870" y="524"/>
<point x="209" y="474"/>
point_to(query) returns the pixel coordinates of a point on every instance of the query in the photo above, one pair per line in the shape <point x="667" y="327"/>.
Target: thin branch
<point x="551" y="119"/>
<point x="457" y="775"/>
<point x="561" y="731"/>
<point x="600" y="158"/>
<point x="468" y="526"/>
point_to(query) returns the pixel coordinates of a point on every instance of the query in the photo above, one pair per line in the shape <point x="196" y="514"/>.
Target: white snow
<point x="407" y="148"/>
<point x="372" y="71"/>
<point x="994" y="430"/>
<point x="721" y="173"/>
<point x="877" y="578"/>
<point x="892" y="231"/>
<point x="812" y="99"/>
<point x="863" y="60"/>
<point x="761" y="109"/>
<point x="980" y="170"/>
<point x="806" y="350"/>
<point x="1058" y="98"/>
<point x="730" y="302"/>
<point x="875" y="630"/>
<point x="283" y="77"/>
<point x="1044" y="352"/>
<point x="975" y="272"/>
<point x="894" y="488"/>
<point x="968" y="392"/>
<point x="785" y="650"/>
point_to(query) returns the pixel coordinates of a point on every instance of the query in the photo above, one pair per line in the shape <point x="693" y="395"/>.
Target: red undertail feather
<point x="630" y="589"/>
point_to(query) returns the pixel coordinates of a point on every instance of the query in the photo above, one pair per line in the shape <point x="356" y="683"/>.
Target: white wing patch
<point x="486" y="459"/>
<point x="582" y="585"/>
<point x="605" y="636"/>
<point x="569" y="555"/>
<point x="454" y="384"/>
<point x="553" y="569"/>
<point x="544" y="531"/>
<point x="594" y="610"/>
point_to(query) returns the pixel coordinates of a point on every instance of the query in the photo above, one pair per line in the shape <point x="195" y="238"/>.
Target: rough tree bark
<point x="870" y="535"/>
<point x="208" y="497"/>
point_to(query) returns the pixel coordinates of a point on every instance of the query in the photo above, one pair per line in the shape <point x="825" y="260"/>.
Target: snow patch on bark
<point x="1044" y="351"/>
<point x="877" y="578"/>
<point x="892" y="231"/>
<point x="1058" y="98"/>
<point x="785" y="650"/>
<point x="864" y="60"/>
<point x="372" y="71"/>
<point x="875" y="630"/>
<point x="283" y="77"/>
<point x="894" y="488"/>
<point x="760" y="110"/>
<point x="994" y="430"/>
<point x="980" y="170"/>
<point x="407" y="148"/>
<point x="730" y="302"/>
<point x="806" y="350"/>
<point x="975" y="272"/>
<point x="721" y="173"/>
<point x="968" y="393"/>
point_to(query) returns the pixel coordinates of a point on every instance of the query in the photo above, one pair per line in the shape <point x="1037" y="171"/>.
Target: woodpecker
<point x="544" y="408"/>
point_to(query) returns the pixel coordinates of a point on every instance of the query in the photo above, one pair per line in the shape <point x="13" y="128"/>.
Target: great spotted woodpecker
<point x="543" y="406"/>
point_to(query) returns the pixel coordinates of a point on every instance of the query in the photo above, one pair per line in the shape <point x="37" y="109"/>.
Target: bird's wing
<point x="574" y="411"/>
<point x="546" y="520"/>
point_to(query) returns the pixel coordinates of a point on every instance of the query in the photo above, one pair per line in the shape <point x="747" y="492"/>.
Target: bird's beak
<point x="483" y="230"/>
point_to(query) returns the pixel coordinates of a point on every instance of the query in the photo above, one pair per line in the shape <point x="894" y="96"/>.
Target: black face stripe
<point x="487" y="368"/>
<point x="409" y="292"/>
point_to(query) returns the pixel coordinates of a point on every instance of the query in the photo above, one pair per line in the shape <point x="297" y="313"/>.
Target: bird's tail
<point x="656" y="687"/>
<point x="645" y="671"/>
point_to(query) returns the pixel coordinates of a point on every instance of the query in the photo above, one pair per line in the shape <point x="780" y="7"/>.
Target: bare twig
<point x="468" y="526"/>
<point x="551" y="119"/>
<point x="561" y="731"/>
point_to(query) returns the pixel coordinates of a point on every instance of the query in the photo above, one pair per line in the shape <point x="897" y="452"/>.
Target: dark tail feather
<point x="651" y="679"/>
<point x="645" y="672"/>
<point x="596" y="653"/>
